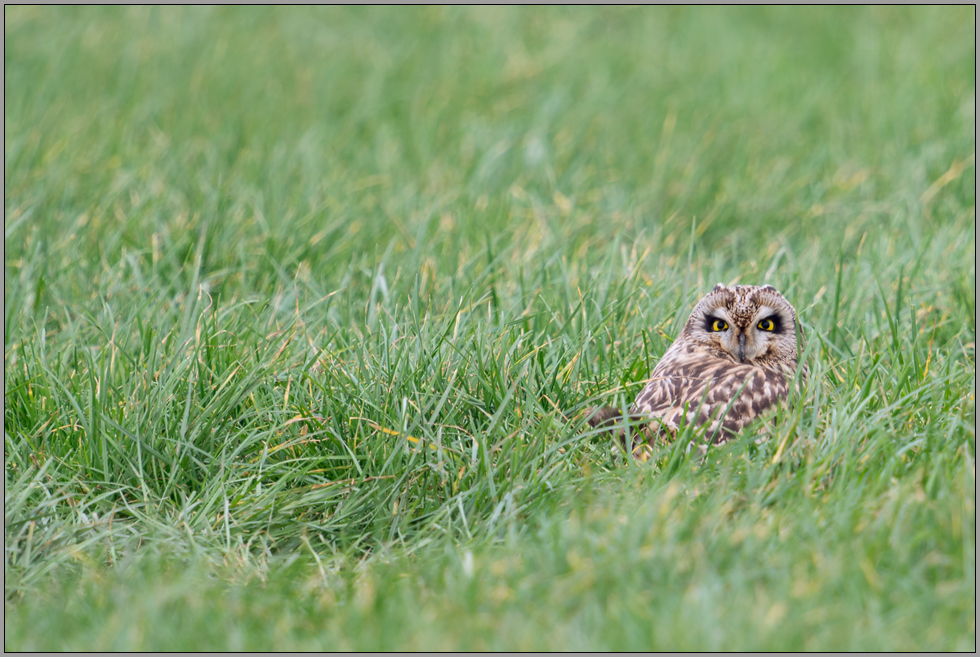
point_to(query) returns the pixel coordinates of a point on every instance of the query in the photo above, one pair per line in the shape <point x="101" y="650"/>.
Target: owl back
<point x="691" y="388"/>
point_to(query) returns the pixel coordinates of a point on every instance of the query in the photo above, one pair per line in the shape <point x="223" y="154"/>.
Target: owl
<point x="734" y="360"/>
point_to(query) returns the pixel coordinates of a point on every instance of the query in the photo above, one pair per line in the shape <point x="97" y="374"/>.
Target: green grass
<point x="303" y="307"/>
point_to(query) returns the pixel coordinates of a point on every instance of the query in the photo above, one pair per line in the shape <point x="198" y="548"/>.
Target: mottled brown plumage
<point x="734" y="360"/>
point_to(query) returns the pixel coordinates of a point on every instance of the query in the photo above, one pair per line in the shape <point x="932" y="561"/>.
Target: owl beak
<point x="741" y="348"/>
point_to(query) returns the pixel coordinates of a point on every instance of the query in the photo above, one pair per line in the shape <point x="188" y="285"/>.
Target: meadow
<point x="304" y="308"/>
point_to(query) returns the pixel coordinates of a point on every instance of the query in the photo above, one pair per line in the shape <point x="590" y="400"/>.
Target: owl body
<point x="733" y="361"/>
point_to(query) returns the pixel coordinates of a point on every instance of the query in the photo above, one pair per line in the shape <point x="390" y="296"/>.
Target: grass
<point x="302" y="309"/>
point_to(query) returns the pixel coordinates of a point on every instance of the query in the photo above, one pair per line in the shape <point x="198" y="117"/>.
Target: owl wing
<point x="721" y="394"/>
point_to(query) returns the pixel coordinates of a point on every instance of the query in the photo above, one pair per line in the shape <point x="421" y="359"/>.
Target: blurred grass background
<point x="300" y="305"/>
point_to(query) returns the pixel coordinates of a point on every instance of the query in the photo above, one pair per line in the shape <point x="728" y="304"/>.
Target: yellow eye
<point x="719" y="325"/>
<point x="767" y="325"/>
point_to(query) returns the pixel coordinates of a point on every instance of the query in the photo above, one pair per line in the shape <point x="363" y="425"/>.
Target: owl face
<point x="749" y="324"/>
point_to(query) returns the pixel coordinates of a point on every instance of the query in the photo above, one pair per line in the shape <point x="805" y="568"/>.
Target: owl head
<point x="749" y="324"/>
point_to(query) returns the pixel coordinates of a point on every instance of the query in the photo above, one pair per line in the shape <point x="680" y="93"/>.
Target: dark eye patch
<point x="777" y="325"/>
<point x="712" y="324"/>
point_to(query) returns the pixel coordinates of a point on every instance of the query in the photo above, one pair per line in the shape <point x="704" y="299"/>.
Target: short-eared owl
<point x="734" y="360"/>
